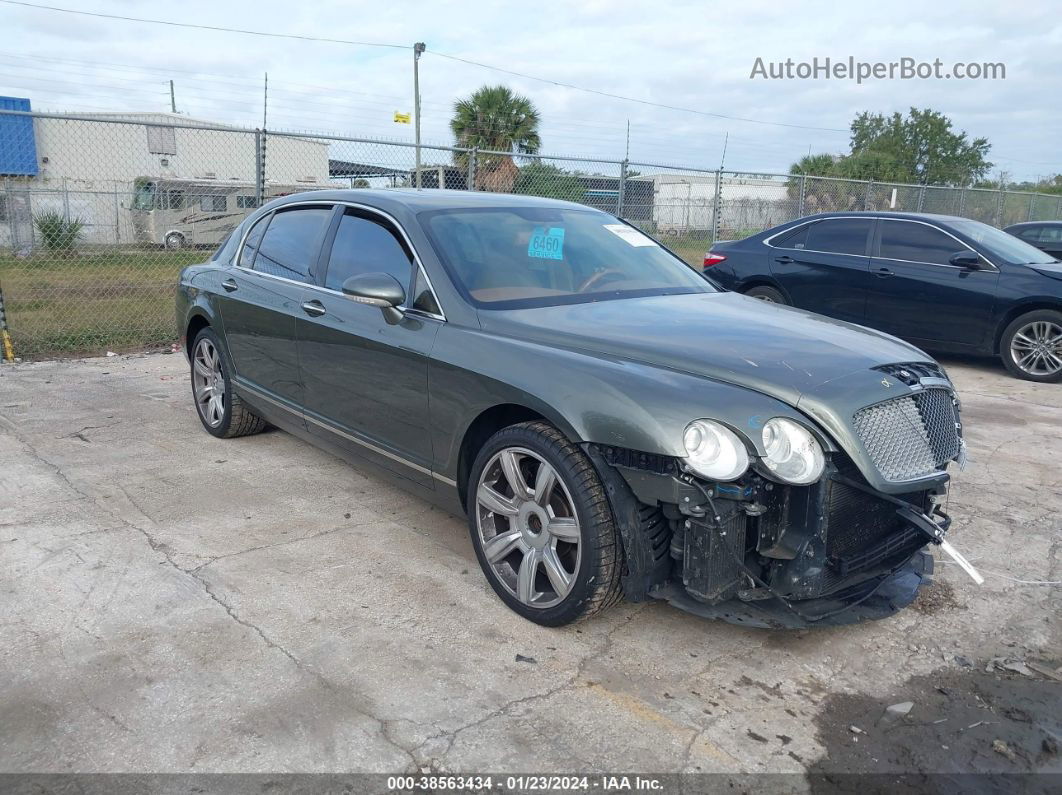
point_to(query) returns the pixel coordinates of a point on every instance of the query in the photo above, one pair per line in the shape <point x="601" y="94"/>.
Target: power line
<point x="216" y="28"/>
<point x="456" y="58"/>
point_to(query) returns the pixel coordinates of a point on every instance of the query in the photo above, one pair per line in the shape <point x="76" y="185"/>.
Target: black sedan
<point x="541" y="366"/>
<point x="1045" y="235"/>
<point x="943" y="283"/>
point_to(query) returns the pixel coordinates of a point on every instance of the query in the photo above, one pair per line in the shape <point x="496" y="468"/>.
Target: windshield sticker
<point x="546" y="243"/>
<point x="630" y="234"/>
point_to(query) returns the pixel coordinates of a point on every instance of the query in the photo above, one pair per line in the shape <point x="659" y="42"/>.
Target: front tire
<point x="1031" y="346"/>
<point x="769" y="294"/>
<point x="542" y="526"/>
<point x="219" y="408"/>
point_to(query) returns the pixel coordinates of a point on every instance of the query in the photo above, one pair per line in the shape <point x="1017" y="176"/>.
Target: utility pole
<point x="173" y="101"/>
<point x="418" y="49"/>
<point x="627" y="152"/>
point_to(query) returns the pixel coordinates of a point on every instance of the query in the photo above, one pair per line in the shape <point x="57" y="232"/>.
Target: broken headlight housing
<point x="793" y="454"/>
<point x="714" y="451"/>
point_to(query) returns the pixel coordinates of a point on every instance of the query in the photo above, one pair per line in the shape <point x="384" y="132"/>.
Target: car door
<point x="262" y="298"/>
<point x="919" y="295"/>
<point x="366" y="380"/>
<point x="823" y="266"/>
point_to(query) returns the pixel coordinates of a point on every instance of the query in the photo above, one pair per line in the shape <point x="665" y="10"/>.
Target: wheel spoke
<point x="201" y="369"/>
<point x="564" y="528"/>
<point x="560" y="579"/>
<point x="495" y="502"/>
<point x="525" y="578"/>
<point x="1022" y="342"/>
<point x="510" y="465"/>
<point x="545" y="481"/>
<point x="204" y="393"/>
<point x="501" y="545"/>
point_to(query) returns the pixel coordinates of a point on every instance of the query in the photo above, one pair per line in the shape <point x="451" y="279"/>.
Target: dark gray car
<point x="612" y="422"/>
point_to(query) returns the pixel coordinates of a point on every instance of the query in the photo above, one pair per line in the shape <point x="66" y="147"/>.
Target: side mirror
<point x="966" y="259"/>
<point x="377" y="289"/>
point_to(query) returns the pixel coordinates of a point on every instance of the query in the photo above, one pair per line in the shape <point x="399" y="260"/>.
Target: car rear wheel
<point x="769" y="294"/>
<point x="1031" y="346"/>
<point x="542" y="526"/>
<point x="174" y="241"/>
<point x="221" y="410"/>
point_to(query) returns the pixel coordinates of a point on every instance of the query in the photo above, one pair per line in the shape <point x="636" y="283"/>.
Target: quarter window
<point x="254" y="238"/>
<point x="796" y="238"/>
<point x="917" y="243"/>
<point x="839" y="236"/>
<point x="363" y="245"/>
<point x="423" y="297"/>
<point x="291" y="242"/>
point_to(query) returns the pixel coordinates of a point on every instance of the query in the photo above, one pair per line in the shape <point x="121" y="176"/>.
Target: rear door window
<point x="914" y="242"/>
<point x="291" y="243"/>
<point x="839" y="236"/>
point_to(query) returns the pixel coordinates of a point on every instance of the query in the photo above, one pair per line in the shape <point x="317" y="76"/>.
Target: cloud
<point x="691" y="54"/>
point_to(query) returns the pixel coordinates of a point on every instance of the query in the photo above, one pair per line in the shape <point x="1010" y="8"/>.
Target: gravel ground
<point x="176" y="603"/>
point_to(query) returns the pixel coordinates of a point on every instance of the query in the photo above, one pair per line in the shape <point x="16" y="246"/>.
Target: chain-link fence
<point x="99" y="212"/>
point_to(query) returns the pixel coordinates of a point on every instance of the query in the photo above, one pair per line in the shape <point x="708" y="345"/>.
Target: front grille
<point x="912" y="436"/>
<point x="913" y="372"/>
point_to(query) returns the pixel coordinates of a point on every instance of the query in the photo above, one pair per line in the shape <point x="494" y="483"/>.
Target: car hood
<point x="1052" y="270"/>
<point x="783" y="352"/>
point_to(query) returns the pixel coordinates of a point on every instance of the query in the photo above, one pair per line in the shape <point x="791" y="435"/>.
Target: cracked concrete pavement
<point x="172" y="602"/>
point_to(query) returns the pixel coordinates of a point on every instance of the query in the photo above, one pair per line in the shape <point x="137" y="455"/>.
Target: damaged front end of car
<point x="824" y="523"/>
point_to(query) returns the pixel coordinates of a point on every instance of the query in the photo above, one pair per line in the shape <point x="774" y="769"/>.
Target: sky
<point x="697" y="56"/>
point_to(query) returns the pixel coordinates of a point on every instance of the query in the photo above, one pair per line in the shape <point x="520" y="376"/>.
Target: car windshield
<point x="514" y="257"/>
<point x="1002" y="245"/>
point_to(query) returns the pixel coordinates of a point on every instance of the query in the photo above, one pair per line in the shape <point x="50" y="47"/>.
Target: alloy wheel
<point x="209" y="383"/>
<point x="1037" y="348"/>
<point x="528" y="529"/>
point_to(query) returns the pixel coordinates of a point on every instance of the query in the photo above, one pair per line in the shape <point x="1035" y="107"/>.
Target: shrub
<point x="58" y="233"/>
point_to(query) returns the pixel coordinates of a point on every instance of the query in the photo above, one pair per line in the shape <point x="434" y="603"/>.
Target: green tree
<point x="921" y="147"/>
<point x="551" y="182"/>
<point x="495" y="118"/>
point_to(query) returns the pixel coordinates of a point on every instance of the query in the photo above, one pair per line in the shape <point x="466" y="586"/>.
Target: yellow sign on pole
<point x="402" y="118"/>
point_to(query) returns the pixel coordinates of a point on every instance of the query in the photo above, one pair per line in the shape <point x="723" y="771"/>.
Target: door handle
<point x="229" y="285"/>
<point x="883" y="273"/>
<point x="314" y="308"/>
<point x="785" y="260"/>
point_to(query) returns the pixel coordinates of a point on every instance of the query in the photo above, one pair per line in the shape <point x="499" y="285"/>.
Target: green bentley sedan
<point x="613" y="424"/>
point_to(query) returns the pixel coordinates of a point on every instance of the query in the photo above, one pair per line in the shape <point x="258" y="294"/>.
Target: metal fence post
<point x="999" y="204"/>
<point x="803" y="195"/>
<point x="259" y="174"/>
<point x="620" y="196"/>
<point x="717" y="206"/>
<point x="1058" y="207"/>
<point x="962" y="200"/>
<point x="921" y="198"/>
<point x="471" y="184"/>
<point x="866" y="197"/>
<point x="1029" y="212"/>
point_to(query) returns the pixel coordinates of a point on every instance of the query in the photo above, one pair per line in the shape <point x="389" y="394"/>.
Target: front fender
<point x="590" y="398"/>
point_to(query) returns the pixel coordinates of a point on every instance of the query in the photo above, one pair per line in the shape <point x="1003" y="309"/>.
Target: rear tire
<point x="174" y="241"/>
<point x="1031" y="346"/>
<point x="769" y="294"/>
<point x="222" y="412"/>
<point x="542" y="526"/>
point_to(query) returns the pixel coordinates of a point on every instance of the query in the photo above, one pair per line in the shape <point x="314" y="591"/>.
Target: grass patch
<point x="91" y="301"/>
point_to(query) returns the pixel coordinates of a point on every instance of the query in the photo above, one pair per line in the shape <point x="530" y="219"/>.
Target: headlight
<point x="714" y="451"/>
<point x="793" y="454"/>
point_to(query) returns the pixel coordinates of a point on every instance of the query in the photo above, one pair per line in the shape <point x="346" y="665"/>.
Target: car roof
<point x="416" y="200"/>
<point x="903" y="216"/>
<point x="1024" y="224"/>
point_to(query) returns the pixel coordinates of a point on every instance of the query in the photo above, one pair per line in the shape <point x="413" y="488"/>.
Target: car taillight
<point x="711" y="259"/>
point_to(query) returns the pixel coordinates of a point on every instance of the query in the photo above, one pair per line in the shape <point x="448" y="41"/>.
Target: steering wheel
<point x="596" y="278"/>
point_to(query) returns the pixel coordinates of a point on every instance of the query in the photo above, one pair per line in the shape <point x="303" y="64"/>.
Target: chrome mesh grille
<point x="911" y="436"/>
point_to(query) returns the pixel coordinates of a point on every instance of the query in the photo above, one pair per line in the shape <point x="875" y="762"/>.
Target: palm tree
<point x="495" y="118"/>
